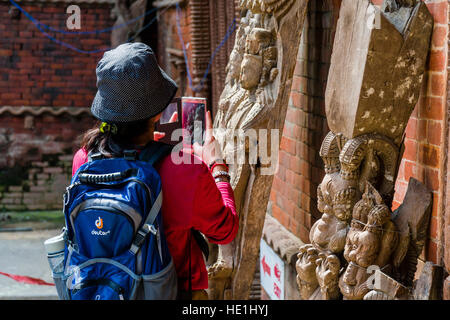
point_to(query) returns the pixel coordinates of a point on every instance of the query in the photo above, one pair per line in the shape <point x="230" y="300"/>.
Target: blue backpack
<point x="115" y="243"/>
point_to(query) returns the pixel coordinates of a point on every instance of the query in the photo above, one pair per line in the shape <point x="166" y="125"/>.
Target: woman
<point x="132" y="93"/>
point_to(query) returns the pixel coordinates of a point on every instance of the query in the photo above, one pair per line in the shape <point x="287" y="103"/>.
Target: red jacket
<point x="191" y="199"/>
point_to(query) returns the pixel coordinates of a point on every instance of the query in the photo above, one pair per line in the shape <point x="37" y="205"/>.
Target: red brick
<point x="287" y="145"/>
<point x="439" y="11"/>
<point x="278" y="214"/>
<point x="10" y="96"/>
<point x="434" y="135"/>
<point x="429" y="155"/>
<point x="293" y="115"/>
<point x="303" y="234"/>
<point x="411" y="128"/>
<point x="305" y="202"/>
<point x="422" y="129"/>
<point x="410" y="150"/>
<point x="295" y="99"/>
<point x="434" y="228"/>
<point x="293" y="226"/>
<point x="296" y="164"/>
<point x="431" y="178"/>
<point x="438" y="84"/>
<point x="436" y="204"/>
<point x="5" y="53"/>
<point x="299" y="215"/>
<point x="417" y="170"/>
<point x="438" y="60"/>
<point x="439" y="36"/>
<point x="402" y="174"/>
<point x="432" y="251"/>
<point x="400" y="191"/>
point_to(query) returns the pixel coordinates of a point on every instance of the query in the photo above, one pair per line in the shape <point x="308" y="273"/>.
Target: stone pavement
<point x="23" y="253"/>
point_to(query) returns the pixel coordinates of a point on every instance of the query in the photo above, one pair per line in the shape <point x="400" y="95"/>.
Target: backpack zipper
<point x="102" y="282"/>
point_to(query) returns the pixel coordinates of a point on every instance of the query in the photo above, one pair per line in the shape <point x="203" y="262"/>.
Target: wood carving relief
<point x="256" y="94"/>
<point x="367" y="112"/>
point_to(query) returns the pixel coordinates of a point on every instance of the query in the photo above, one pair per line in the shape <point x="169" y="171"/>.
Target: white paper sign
<point x="271" y="272"/>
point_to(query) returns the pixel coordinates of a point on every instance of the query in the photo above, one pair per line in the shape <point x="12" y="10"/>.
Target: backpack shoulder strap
<point x="148" y="226"/>
<point x="155" y="151"/>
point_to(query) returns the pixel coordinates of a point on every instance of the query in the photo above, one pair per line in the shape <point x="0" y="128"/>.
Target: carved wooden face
<point x="251" y="70"/>
<point x="328" y="226"/>
<point x="343" y="211"/>
<point x="362" y="247"/>
<point x="235" y="64"/>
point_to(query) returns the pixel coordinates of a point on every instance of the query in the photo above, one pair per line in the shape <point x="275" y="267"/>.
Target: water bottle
<point x="55" y="253"/>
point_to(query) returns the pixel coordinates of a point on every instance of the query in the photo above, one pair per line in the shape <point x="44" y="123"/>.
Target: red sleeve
<point x="80" y="158"/>
<point x="214" y="210"/>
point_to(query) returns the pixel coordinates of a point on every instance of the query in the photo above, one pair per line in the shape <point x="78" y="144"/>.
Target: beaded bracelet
<point x="220" y="174"/>
<point x="221" y="179"/>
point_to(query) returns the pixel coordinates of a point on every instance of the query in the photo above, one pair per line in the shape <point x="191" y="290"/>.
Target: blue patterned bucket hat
<point x="131" y="85"/>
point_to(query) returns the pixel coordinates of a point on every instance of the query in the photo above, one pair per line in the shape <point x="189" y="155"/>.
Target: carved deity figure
<point x="367" y="113"/>
<point x="349" y="165"/>
<point x="371" y="241"/>
<point x="251" y="69"/>
<point x="255" y="98"/>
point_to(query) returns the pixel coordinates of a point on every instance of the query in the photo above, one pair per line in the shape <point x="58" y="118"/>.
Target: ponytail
<point x="112" y="143"/>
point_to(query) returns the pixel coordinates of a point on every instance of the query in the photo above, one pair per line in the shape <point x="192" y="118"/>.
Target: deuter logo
<point x="100" y="233"/>
<point x="99" y="223"/>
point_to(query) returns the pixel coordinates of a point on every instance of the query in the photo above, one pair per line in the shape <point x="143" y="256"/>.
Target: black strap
<point x="201" y="242"/>
<point x="92" y="156"/>
<point x="190" y="269"/>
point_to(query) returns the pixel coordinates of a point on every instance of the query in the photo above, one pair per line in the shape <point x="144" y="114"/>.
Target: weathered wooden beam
<point x="376" y="70"/>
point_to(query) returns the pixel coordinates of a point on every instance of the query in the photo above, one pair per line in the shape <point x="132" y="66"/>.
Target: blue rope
<point x="229" y="32"/>
<point x="198" y="88"/>
<point x="30" y="17"/>
<point x="69" y="46"/>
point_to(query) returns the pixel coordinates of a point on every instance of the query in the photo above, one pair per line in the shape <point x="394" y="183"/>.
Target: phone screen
<point x="193" y="120"/>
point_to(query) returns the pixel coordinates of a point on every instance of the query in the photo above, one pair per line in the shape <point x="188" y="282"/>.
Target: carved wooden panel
<point x="373" y="86"/>
<point x="256" y="94"/>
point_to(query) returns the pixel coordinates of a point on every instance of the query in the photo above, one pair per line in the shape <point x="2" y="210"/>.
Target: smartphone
<point x="191" y="118"/>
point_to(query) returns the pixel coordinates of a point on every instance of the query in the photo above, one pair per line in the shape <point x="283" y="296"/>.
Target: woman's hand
<point x="210" y="152"/>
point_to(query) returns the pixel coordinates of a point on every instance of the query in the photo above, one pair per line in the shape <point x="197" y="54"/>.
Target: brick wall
<point x="38" y="72"/>
<point x="37" y="149"/>
<point x="293" y="196"/>
<point x="45" y="93"/>
<point x="194" y="27"/>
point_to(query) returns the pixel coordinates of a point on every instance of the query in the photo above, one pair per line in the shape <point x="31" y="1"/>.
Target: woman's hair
<point x="112" y="145"/>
